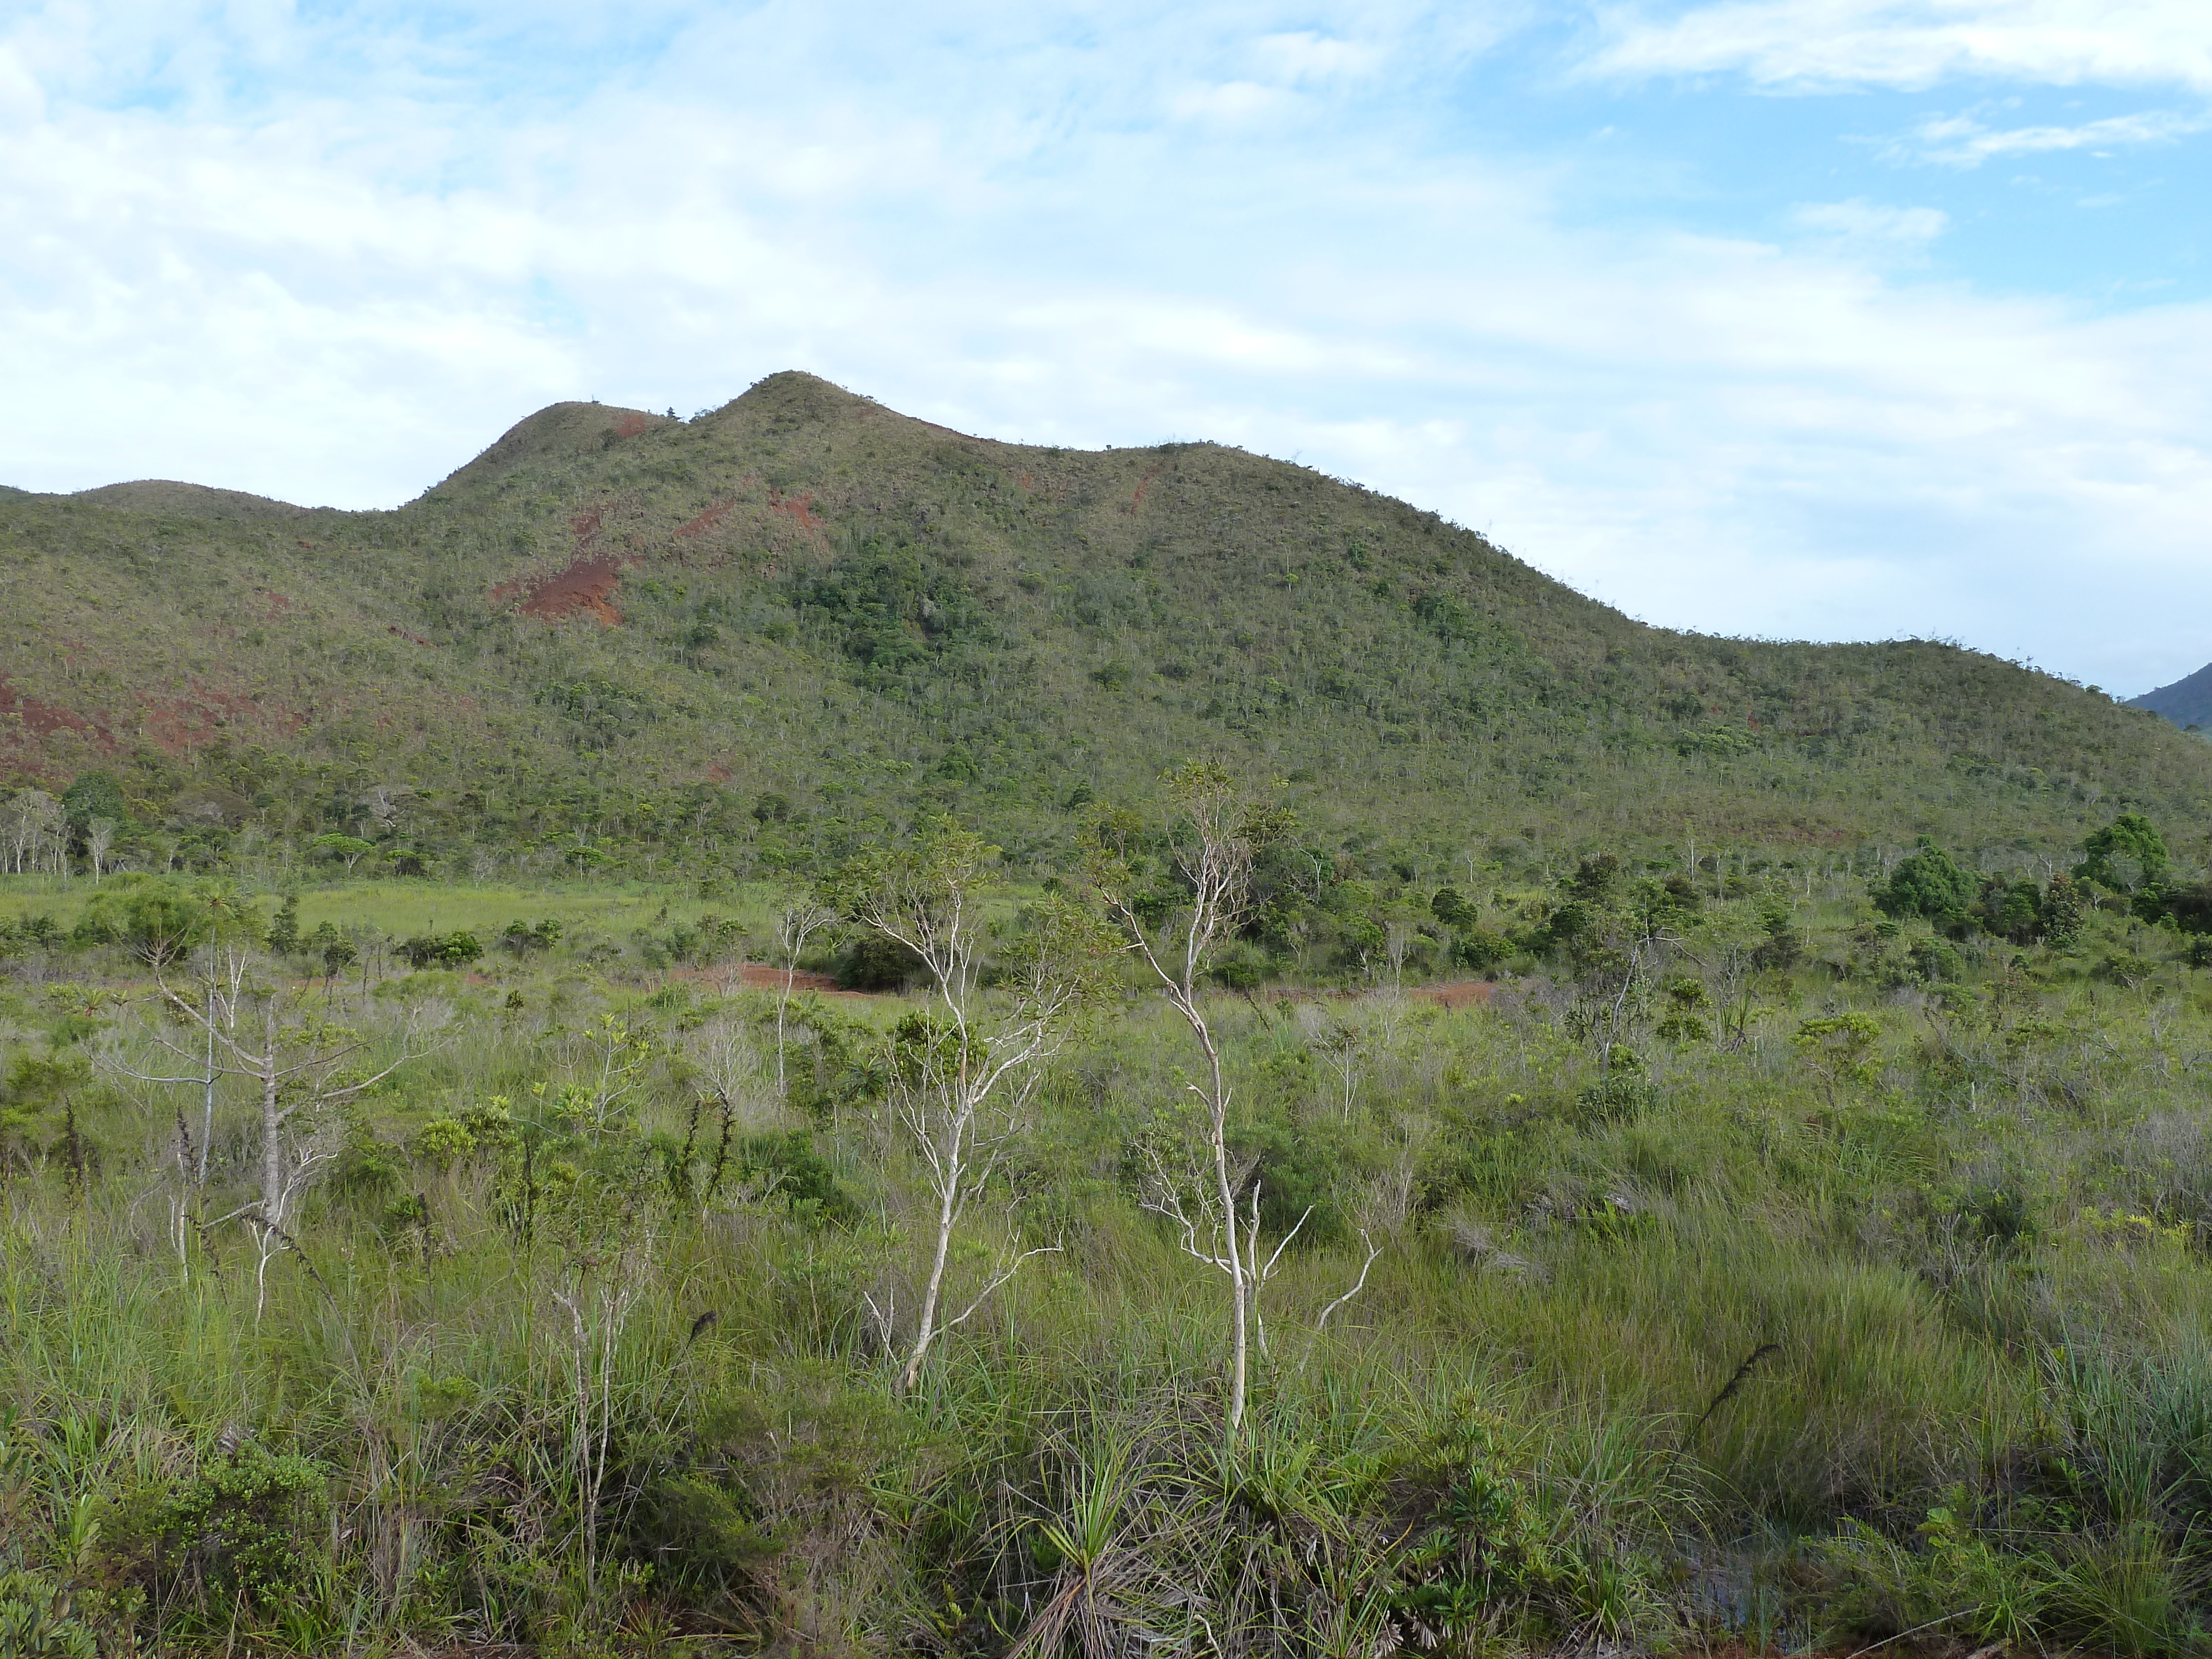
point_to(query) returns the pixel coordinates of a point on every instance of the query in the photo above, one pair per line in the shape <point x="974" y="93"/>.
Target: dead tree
<point x="1222" y="835"/>
<point x="297" y="1063"/>
<point x="967" y="1069"/>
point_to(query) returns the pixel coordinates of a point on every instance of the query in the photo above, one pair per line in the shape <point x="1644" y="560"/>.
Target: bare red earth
<point x="630" y="425"/>
<point x="800" y="507"/>
<point x="1462" y="993"/>
<point x="587" y="585"/>
<point x="765" y="976"/>
<point x="41" y="719"/>
<point x="180" y="725"/>
<point x="707" y="520"/>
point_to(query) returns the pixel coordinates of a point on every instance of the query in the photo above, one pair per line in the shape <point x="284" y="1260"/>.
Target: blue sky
<point x="1830" y="319"/>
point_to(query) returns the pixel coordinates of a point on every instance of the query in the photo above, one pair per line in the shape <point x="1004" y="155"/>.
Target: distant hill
<point x="2186" y="702"/>
<point x="165" y="495"/>
<point x="801" y="619"/>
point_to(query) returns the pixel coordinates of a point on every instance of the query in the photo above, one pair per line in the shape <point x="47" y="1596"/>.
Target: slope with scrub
<point x="765" y="633"/>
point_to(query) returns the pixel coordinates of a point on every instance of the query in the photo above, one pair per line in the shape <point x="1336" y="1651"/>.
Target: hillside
<point x="1804" y="1252"/>
<point x="2187" y="702"/>
<point x="759" y="633"/>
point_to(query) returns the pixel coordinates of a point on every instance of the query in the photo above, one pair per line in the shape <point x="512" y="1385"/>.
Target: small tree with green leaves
<point x="2127" y="853"/>
<point x="1840" y="1048"/>
<point x="1928" y="883"/>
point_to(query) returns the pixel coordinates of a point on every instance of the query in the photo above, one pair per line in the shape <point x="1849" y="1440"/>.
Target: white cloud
<point x="1231" y="100"/>
<point x="21" y="103"/>
<point x="1871" y="225"/>
<point x="1303" y="55"/>
<point x="1961" y="141"/>
<point x="1915" y="44"/>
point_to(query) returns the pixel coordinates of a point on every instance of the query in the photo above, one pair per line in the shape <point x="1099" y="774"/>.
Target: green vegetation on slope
<point x="760" y="637"/>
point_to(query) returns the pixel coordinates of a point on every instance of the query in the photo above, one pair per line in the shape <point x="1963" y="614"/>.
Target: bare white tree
<point x="99" y="837"/>
<point x="803" y="916"/>
<point x="605" y="1279"/>
<point x="729" y="1065"/>
<point x="297" y="1063"/>
<point x="1341" y="1045"/>
<point x="1224" y="831"/>
<point x="966" y="1068"/>
<point x="36" y="830"/>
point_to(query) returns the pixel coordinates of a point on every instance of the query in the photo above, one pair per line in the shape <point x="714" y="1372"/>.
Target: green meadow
<point x="1738" y="1264"/>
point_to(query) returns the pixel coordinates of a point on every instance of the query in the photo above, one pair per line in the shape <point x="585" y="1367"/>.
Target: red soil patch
<point x="1022" y="482"/>
<point x="42" y="719"/>
<point x="588" y="584"/>
<point x="180" y="725"/>
<point x="800" y="507"/>
<point x="764" y="976"/>
<point x="720" y="773"/>
<point x="707" y="520"/>
<point x="1144" y="484"/>
<point x="396" y="628"/>
<point x="310" y="546"/>
<point x="630" y="425"/>
<point x="1462" y="993"/>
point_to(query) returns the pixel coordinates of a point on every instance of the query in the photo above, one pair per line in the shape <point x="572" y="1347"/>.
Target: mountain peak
<point x="558" y="429"/>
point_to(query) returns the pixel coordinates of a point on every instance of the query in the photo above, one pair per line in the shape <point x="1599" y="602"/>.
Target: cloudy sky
<point x="1839" y="318"/>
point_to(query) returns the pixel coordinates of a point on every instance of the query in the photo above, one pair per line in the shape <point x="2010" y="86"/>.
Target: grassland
<point x="1850" y="1287"/>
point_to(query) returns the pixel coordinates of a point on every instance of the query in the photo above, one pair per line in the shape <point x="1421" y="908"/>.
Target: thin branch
<point x="1358" y="1285"/>
<point x="1000" y="1278"/>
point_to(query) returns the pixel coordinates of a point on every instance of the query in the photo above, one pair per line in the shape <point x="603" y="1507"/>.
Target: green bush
<point x="247" y="1528"/>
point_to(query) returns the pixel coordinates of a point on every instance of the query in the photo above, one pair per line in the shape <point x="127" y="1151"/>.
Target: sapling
<point x="965" y="1072"/>
<point x="1223" y="834"/>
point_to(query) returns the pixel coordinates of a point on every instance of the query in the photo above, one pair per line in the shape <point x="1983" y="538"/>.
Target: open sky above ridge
<point x="1831" y="318"/>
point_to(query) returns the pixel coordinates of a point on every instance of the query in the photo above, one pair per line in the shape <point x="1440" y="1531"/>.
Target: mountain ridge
<point x="2187" y="702"/>
<point x="801" y="618"/>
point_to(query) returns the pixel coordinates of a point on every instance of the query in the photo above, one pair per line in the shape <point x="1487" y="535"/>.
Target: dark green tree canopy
<point x="93" y="795"/>
<point x="1927" y="883"/>
<point x="2126" y="854"/>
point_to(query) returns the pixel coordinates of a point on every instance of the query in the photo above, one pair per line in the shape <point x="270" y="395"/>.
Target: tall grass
<point x="1723" y="1363"/>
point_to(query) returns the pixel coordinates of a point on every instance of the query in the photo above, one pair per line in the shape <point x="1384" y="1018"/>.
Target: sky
<point x="1807" y="319"/>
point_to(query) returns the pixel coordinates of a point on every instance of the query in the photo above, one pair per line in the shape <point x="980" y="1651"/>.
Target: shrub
<point x="247" y="1527"/>
<point x="36" y="1621"/>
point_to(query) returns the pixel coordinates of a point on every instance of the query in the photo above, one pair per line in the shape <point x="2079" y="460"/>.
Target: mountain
<point x="2187" y="702"/>
<point x="801" y="618"/>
